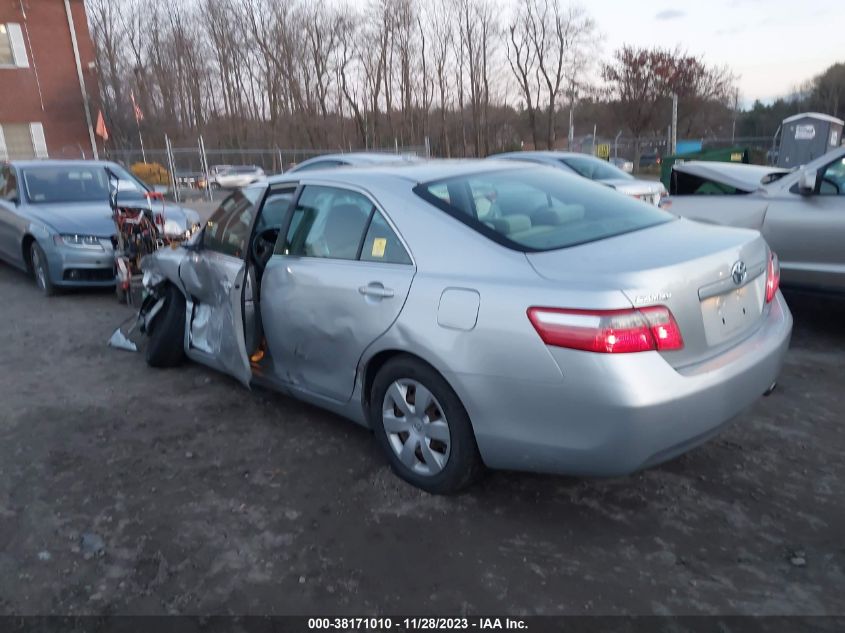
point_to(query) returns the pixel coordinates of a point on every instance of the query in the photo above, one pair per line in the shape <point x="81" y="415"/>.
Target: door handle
<point x="376" y="290"/>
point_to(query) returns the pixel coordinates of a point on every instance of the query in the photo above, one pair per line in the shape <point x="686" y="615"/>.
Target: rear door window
<point x="8" y="184"/>
<point x="381" y="244"/>
<point x="327" y="222"/>
<point x="336" y="223"/>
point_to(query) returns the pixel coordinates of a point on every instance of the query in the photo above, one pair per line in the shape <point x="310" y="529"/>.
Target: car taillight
<point x="772" y="277"/>
<point x="608" y="331"/>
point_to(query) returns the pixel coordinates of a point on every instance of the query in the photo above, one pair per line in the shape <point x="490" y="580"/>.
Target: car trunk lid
<point x="685" y="266"/>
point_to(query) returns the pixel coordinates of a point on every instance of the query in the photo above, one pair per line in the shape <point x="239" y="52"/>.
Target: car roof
<point x="59" y="162"/>
<point x="361" y="158"/>
<point x="542" y="154"/>
<point x="411" y="171"/>
<point x="737" y="175"/>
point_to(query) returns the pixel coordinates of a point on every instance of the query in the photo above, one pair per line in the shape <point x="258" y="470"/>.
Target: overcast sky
<point x="772" y="45"/>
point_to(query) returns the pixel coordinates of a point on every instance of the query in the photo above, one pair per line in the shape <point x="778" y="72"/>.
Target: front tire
<point x="41" y="269"/>
<point x="165" y="347"/>
<point x="422" y="427"/>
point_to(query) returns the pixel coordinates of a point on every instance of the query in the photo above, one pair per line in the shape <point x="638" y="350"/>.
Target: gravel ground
<point x="129" y="490"/>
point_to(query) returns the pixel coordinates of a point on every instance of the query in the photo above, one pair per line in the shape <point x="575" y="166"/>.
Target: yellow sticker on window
<point x="379" y="245"/>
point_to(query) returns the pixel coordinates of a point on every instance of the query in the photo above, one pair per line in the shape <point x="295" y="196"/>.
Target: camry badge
<point x="739" y="272"/>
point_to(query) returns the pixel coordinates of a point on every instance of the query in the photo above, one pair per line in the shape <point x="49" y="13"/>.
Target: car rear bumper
<point x="615" y="414"/>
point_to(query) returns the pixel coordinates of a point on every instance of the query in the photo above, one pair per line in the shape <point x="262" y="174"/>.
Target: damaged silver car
<point x="478" y="313"/>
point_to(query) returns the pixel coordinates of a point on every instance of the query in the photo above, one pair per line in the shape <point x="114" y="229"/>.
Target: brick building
<point x="46" y="77"/>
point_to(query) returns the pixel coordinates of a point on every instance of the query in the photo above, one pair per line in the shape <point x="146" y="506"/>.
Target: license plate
<point x="728" y="315"/>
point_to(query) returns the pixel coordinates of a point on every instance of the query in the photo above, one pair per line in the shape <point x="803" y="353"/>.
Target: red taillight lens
<point x="772" y="277"/>
<point x="608" y="331"/>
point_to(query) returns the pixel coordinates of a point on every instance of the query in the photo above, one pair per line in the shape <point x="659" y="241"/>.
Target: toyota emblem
<point x="739" y="272"/>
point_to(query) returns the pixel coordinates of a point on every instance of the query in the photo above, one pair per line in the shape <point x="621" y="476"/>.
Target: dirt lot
<point x="129" y="490"/>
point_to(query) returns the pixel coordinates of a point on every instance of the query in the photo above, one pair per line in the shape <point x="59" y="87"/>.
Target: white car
<point x="237" y="176"/>
<point x="601" y="171"/>
<point x="622" y="163"/>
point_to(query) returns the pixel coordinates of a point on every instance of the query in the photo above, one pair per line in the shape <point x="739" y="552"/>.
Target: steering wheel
<point x="833" y="184"/>
<point x="263" y="245"/>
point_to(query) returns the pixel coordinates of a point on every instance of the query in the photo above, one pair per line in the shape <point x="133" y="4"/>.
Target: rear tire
<point x="165" y="347"/>
<point x="41" y="269"/>
<point x="432" y="448"/>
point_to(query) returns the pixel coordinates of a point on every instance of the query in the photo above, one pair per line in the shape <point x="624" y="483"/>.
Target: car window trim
<point x="364" y="234"/>
<point x="269" y="190"/>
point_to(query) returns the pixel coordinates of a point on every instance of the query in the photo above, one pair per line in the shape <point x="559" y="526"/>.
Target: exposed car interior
<point x="686" y="184"/>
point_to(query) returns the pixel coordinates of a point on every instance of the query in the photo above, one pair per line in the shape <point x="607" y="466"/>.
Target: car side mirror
<point x="807" y="182"/>
<point x="194" y="243"/>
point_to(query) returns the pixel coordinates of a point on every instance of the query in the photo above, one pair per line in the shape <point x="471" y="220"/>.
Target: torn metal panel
<point x="119" y="340"/>
<point x="206" y="329"/>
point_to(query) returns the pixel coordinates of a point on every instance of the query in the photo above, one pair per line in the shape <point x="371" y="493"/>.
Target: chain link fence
<point x="187" y="168"/>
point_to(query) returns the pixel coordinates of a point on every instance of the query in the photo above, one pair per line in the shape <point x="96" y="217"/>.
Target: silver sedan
<point x="56" y="219"/>
<point x="478" y="313"/>
<point x="801" y="212"/>
<point x="597" y="170"/>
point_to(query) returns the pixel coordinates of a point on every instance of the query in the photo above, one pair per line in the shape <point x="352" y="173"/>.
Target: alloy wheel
<point x="38" y="269"/>
<point x="416" y="427"/>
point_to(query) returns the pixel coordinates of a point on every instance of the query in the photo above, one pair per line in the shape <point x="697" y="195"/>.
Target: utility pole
<point x="571" y="137"/>
<point x="736" y="108"/>
<point x="171" y="166"/>
<point x="82" y="89"/>
<point x="674" y="146"/>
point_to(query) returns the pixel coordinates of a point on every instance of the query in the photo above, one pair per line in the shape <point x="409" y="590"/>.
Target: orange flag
<point x="139" y="115"/>
<point x="102" y="130"/>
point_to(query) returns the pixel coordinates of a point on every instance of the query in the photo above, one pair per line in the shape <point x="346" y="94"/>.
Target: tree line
<point x="461" y="73"/>
<point x="823" y="93"/>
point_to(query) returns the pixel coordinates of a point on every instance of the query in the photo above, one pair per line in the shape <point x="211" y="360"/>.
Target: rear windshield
<point x="595" y="169"/>
<point x="539" y="209"/>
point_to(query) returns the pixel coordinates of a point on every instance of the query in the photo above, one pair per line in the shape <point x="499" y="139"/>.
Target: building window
<point x="12" y="46"/>
<point x="22" y="141"/>
<point x="6" y="57"/>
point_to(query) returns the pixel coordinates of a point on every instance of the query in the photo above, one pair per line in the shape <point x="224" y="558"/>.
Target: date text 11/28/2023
<point x="415" y="624"/>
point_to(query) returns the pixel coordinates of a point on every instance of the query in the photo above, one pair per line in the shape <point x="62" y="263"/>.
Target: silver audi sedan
<point x="56" y="220"/>
<point x="478" y="313"/>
